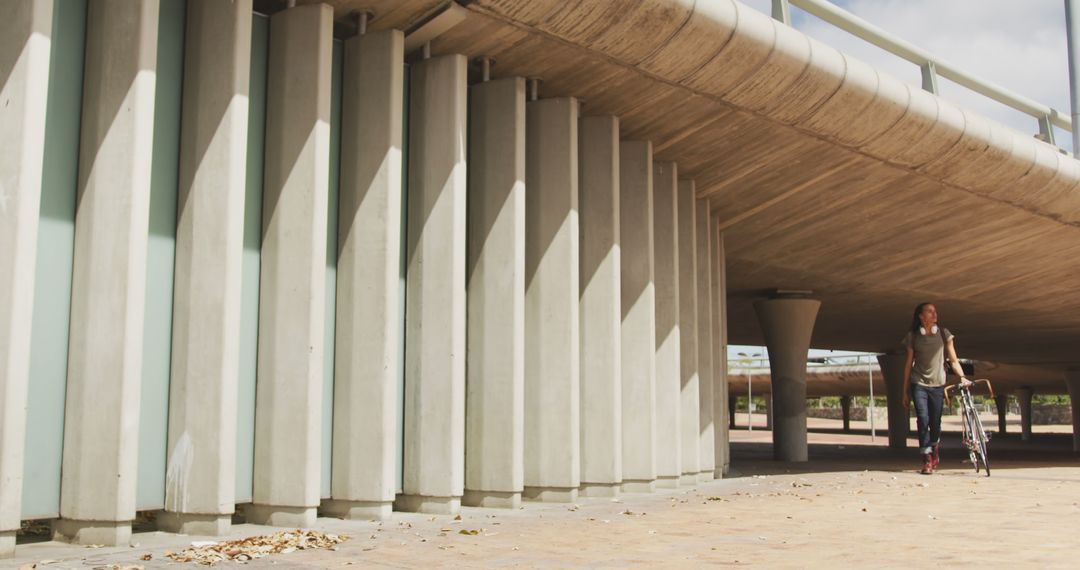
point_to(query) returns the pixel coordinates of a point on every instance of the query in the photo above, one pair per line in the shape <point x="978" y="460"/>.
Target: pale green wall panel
<point x="249" y="298"/>
<point x="160" y="257"/>
<point x="52" y="281"/>
<point x="331" y="268"/>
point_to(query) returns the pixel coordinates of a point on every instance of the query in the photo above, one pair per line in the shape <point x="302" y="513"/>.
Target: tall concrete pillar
<point x="892" y="369"/>
<point x="495" y="384"/>
<point x="638" y="330"/>
<point x="705" y="318"/>
<point x="768" y="411"/>
<point x="668" y="339"/>
<point x="1001" y="401"/>
<point x="845" y="412"/>
<point x="201" y="471"/>
<point x="689" y="384"/>
<point x="1072" y="382"/>
<point x="601" y="308"/>
<point x="552" y="321"/>
<point x="365" y="450"/>
<point x="434" y="462"/>
<point x="788" y="324"/>
<point x="723" y="403"/>
<point x="97" y="494"/>
<point x="25" y="40"/>
<point x="1023" y="399"/>
<point x="288" y="407"/>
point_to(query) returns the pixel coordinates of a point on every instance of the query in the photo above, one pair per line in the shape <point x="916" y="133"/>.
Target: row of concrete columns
<point x="562" y="286"/>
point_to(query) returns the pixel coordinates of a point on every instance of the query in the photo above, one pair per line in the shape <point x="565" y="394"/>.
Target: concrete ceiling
<point x="825" y="175"/>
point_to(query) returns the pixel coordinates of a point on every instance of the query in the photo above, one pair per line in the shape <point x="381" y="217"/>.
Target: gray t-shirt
<point x="928" y="367"/>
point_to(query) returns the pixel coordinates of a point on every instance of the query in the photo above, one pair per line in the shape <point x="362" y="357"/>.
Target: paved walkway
<point x="855" y="504"/>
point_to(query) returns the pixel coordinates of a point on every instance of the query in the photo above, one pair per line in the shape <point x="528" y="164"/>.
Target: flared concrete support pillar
<point x="495" y="384"/>
<point x="1001" y="401"/>
<point x="552" y="320"/>
<point x="769" y="411"/>
<point x="288" y="410"/>
<point x="788" y="325"/>
<point x="601" y="309"/>
<point x="723" y="403"/>
<point x="368" y="328"/>
<point x="705" y="318"/>
<point x="201" y="473"/>
<point x="1072" y="382"/>
<point x="25" y="40"/>
<point x="892" y="369"/>
<point x="1023" y="400"/>
<point x="845" y="412"/>
<point x="434" y="462"/>
<point x="638" y="330"/>
<point x="668" y="339"/>
<point x="689" y="383"/>
<point x="97" y="496"/>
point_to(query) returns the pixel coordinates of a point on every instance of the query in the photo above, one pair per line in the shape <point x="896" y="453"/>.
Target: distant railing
<point x="761" y="363"/>
<point x="931" y="66"/>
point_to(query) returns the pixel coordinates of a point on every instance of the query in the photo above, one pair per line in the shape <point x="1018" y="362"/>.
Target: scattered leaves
<point x="253" y="547"/>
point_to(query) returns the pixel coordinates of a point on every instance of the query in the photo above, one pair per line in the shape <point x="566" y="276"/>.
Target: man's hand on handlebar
<point x="965" y="382"/>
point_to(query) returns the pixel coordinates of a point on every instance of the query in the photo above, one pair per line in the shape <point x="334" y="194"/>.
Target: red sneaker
<point x="927" y="463"/>
<point x="936" y="456"/>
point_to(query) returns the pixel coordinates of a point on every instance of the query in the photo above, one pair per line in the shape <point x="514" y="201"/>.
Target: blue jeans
<point x="928" y="404"/>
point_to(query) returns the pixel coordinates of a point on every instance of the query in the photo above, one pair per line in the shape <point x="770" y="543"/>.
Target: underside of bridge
<point x="827" y="175"/>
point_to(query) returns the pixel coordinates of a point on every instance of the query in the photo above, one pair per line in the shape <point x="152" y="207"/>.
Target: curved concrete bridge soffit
<point x="825" y="174"/>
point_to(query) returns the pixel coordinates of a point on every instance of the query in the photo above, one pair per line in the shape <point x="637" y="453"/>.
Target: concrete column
<point x="552" y="343"/>
<point x="638" y="300"/>
<point x="723" y="403"/>
<point x="25" y="40"/>
<point x="201" y="472"/>
<point x="434" y="462"/>
<point x="97" y="496"/>
<point x="601" y="309"/>
<point x="1002" y="403"/>
<point x="705" y="318"/>
<point x="668" y="339"/>
<point x="690" y="392"/>
<point x="769" y="411"/>
<point x="1072" y="382"/>
<point x="368" y="329"/>
<point x="288" y="407"/>
<point x="788" y="324"/>
<point x="845" y="411"/>
<point x="1023" y="398"/>
<point x="892" y="369"/>
<point x="495" y="383"/>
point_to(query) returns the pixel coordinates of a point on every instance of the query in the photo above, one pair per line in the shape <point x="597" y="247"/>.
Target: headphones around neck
<point x="933" y="330"/>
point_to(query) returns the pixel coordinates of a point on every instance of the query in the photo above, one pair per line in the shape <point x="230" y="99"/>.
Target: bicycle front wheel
<point x="970" y="437"/>
<point x="980" y="444"/>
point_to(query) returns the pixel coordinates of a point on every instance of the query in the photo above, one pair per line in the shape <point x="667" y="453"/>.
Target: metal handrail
<point x="931" y="66"/>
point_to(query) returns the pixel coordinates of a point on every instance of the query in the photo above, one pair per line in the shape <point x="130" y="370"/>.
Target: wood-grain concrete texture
<point x="828" y="175"/>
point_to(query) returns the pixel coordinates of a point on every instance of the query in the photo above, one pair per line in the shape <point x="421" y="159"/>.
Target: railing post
<point x="1046" y="130"/>
<point x="781" y="11"/>
<point x="929" y="77"/>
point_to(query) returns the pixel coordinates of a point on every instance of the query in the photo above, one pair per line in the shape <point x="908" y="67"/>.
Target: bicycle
<point x="975" y="437"/>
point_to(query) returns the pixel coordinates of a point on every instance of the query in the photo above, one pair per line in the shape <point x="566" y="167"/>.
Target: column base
<point x="551" y="494"/>
<point x="194" y="523"/>
<point x="357" y="510"/>
<point x="609" y="490"/>
<point x="7" y="543"/>
<point x="105" y="533"/>
<point x="427" y="504"/>
<point x="491" y="499"/>
<point x="705" y="476"/>
<point x="667" y="482"/>
<point x="688" y="479"/>
<point x="719" y="472"/>
<point x="638" y="486"/>
<point x="277" y="515"/>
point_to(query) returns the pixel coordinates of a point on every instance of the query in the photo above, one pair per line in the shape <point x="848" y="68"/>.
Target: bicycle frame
<point x="974" y="437"/>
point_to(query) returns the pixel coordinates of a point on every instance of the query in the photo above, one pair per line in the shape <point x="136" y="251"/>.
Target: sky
<point x="1017" y="44"/>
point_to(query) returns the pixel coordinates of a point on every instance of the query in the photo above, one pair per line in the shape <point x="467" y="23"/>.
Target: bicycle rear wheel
<point x="980" y="444"/>
<point x="970" y="436"/>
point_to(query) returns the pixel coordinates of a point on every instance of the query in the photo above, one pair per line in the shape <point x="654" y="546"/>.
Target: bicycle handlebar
<point x="989" y="387"/>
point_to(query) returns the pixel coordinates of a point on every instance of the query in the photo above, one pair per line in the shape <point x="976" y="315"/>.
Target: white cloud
<point x="1017" y="44"/>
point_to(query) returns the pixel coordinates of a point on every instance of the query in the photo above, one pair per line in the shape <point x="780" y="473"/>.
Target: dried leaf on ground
<point x="252" y="547"/>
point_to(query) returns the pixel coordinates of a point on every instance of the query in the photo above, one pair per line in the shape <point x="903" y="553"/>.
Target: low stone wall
<point x="1051" y="415"/>
<point x="858" y="413"/>
<point x="1058" y="414"/>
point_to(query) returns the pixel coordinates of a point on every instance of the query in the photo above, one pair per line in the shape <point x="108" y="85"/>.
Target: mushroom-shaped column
<point x="892" y="369"/>
<point x="1023" y="398"/>
<point x="788" y="324"/>
<point x="1072" y="382"/>
<point x="1002" y="403"/>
